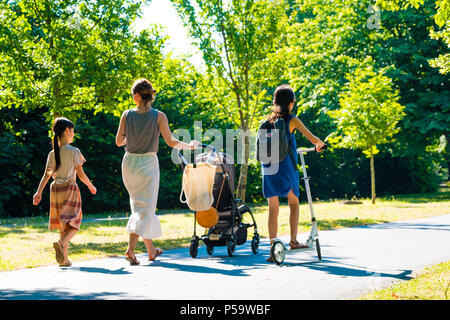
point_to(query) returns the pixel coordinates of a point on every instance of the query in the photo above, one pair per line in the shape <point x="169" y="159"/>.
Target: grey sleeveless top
<point x="142" y="131"/>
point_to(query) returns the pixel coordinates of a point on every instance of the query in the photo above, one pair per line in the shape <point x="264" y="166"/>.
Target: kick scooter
<point x="278" y="249"/>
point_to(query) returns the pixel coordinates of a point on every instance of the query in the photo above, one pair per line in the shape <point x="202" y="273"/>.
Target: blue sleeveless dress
<point x="287" y="178"/>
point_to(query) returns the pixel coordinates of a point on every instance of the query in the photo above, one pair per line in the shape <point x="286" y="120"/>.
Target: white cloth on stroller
<point x="140" y="173"/>
<point x="198" y="183"/>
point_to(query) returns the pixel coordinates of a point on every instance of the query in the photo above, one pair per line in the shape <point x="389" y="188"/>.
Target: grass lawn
<point x="26" y="242"/>
<point x="431" y="284"/>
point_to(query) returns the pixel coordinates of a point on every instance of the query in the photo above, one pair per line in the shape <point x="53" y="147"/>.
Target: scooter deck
<point x="300" y="250"/>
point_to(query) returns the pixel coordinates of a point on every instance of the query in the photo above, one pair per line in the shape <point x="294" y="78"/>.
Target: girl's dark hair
<point x="145" y="90"/>
<point x="282" y="98"/>
<point x="59" y="126"/>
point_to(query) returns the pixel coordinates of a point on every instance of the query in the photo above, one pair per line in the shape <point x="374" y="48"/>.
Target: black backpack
<point x="268" y="132"/>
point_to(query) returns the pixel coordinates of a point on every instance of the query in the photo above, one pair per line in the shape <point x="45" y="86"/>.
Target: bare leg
<point x="294" y="214"/>
<point x="151" y="250"/>
<point x="132" y="245"/>
<point x="293" y="221"/>
<point x="150" y="247"/>
<point x="66" y="235"/>
<point x="274" y="209"/>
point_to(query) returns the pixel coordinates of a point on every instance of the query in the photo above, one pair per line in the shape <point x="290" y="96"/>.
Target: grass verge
<point x="431" y="284"/>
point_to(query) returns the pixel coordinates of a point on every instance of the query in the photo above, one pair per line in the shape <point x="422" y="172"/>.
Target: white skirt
<point x="140" y="174"/>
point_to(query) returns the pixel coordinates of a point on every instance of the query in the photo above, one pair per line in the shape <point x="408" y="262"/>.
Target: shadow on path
<point x="345" y="270"/>
<point x="120" y="271"/>
<point x="244" y="261"/>
<point x="54" y="294"/>
<point x="409" y="225"/>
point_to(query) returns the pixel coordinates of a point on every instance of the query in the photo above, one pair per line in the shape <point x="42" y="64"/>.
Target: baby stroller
<point x="230" y="229"/>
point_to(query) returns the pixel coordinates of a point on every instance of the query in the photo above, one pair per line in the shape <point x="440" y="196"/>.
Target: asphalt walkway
<point x="355" y="261"/>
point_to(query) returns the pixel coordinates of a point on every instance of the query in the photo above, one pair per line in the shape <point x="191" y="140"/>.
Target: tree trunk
<point x="372" y="177"/>
<point x="447" y="154"/>
<point x="242" y="185"/>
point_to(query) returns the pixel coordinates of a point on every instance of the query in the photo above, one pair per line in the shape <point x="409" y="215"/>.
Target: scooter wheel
<point x="210" y="250"/>
<point x="278" y="252"/>
<point x="319" y="253"/>
<point x="193" y="249"/>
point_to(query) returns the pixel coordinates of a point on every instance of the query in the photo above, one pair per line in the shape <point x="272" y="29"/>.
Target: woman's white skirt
<point x="140" y="174"/>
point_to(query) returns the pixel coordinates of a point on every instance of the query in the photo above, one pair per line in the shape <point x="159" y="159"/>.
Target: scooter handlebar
<point x="306" y="150"/>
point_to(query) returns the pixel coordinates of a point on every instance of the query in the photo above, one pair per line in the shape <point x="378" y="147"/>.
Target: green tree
<point x="183" y="95"/>
<point x="22" y="161"/>
<point x="424" y="91"/>
<point x="69" y="55"/>
<point x="441" y="18"/>
<point x="326" y="42"/>
<point x="238" y="39"/>
<point x="368" y="115"/>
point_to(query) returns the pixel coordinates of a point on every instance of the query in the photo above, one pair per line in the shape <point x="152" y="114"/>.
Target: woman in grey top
<point x="139" y="131"/>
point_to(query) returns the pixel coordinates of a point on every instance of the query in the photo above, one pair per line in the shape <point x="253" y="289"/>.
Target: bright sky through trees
<point x="161" y="12"/>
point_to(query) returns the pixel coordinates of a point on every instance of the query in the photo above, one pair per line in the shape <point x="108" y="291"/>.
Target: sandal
<point x="59" y="252"/>
<point x="296" y="245"/>
<point x="67" y="264"/>
<point x="132" y="261"/>
<point x="158" y="252"/>
<point x="270" y="259"/>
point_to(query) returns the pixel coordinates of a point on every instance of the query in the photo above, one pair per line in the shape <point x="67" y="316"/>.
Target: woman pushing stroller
<point x="285" y="182"/>
<point x="139" y="131"/>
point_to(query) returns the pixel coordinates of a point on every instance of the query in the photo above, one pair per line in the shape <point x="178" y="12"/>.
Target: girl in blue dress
<point x="285" y="182"/>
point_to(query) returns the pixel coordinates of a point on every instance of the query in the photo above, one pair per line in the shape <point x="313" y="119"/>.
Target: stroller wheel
<point x="255" y="245"/>
<point x="231" y="246"/>
<point x="210" y="249"/>
<point x="193" y="249"/>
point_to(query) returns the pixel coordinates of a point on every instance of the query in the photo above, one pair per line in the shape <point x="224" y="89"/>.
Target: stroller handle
<point x="203" y="146"/>
<point x="306" y="150"/>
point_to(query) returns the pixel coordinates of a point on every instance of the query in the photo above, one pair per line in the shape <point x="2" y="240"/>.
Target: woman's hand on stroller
<point x="194" y="144"/>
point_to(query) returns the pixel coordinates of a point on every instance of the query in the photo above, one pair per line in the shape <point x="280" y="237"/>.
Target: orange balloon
<point x="207" y="218"/>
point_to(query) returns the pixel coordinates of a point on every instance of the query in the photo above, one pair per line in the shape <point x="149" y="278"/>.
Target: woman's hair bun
<point x="145" y="90"/>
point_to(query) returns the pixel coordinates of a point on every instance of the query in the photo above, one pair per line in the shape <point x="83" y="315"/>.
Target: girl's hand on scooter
<point x="320" y="146"/>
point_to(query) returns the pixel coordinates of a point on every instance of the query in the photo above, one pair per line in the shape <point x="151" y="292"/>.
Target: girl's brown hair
<point x="282" y="98"/>
<point x="59" y="126"/>
<point x="145" y="90"/>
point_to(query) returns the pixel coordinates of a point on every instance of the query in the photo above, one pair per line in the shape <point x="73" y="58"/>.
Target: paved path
<point x="355" y="261"/>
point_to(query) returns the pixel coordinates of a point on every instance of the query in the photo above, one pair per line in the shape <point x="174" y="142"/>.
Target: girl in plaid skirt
<point x="64" y="163"/>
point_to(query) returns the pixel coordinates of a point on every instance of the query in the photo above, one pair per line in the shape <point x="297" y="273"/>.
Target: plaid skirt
<point x="65" y="206"/>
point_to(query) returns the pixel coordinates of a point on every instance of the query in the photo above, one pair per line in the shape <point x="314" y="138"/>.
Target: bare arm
<point x="84" y="178"/>
<point x="296" y="123"/>
<point x="38" y="195"/>
<point x="169" y="138"/>
<point x="120" y="136"/>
